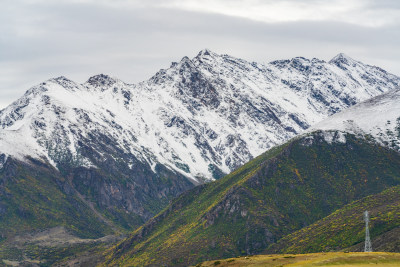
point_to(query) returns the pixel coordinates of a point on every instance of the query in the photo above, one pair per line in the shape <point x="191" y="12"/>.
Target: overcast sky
<point x="132" y="40"/>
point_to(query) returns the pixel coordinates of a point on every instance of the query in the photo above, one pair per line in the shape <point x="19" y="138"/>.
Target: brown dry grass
<point x="358" y="259"/>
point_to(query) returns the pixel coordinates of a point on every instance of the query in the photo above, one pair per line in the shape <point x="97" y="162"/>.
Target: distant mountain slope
<point x="31" y="198"/>
<point x="89" y="203"/>
<point x="201" y="117"/>
<point x="287" y="188"/>
<point x="345" y="228"/>
<point x="34" y="195"/>
<point x="377" y="118"/>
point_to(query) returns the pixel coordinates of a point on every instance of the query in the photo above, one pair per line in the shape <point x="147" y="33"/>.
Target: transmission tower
<point x="368" y="246"/>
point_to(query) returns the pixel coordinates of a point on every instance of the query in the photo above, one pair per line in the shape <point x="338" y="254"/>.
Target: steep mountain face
<point x="377" y="119"/>
<point x="36" y="200"/>
<point x="345" y="228"/>
<point x="277" y="193"/>
<point x="234" y="110"/>
<point x="201" y="118"/>
<point x="31" y="199"/>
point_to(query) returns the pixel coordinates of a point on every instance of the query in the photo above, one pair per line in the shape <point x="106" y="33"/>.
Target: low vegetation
<point x="345" y="228"/>
<point x="358" y="259"/>
<point x="278" y="193"/>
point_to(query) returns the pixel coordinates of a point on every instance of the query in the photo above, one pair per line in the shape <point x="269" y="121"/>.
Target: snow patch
<point x="334" y="136"/>
<point x="377" y="118"/>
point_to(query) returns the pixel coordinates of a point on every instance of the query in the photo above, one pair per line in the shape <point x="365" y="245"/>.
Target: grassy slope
<point x="279" y="192"/>
<point x="32" y="200"/>
<point x="315" y="259"/>
<point x="345" y="227"/>
<point x="89" y="203"/>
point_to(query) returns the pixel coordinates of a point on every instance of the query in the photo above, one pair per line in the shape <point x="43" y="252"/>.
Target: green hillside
<point x="279" y="192"/>
<point x="345" y="228"/>
<point x="75" y="205"/>
<point x="31" y="199"/>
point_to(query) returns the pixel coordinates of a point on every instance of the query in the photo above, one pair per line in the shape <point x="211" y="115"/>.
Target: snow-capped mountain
<point x="377" y="119"/>
<point x="201" y="117"/>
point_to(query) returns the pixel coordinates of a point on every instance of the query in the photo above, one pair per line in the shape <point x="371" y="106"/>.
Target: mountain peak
<point x="60" y="80"/>
<point x="185" y="63"/>
<point x="101" y="81"/>
<point x="185" y="59"/>
<point x="206" y="52"/>
<point x="342" y="58"/>
<point x="64" y="82"/>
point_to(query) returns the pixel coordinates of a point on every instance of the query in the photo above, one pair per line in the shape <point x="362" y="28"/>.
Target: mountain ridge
<point x="279" y="99"/>
<point x="377" y="118"/>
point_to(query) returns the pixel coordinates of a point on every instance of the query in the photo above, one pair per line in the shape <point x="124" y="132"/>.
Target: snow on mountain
<point x="201" y="117"/>
<point x="377" y="118"/>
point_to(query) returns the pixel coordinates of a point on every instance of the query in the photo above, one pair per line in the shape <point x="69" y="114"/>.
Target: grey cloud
<point x="383" y="4"/>
<point x="43" y="40"/>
